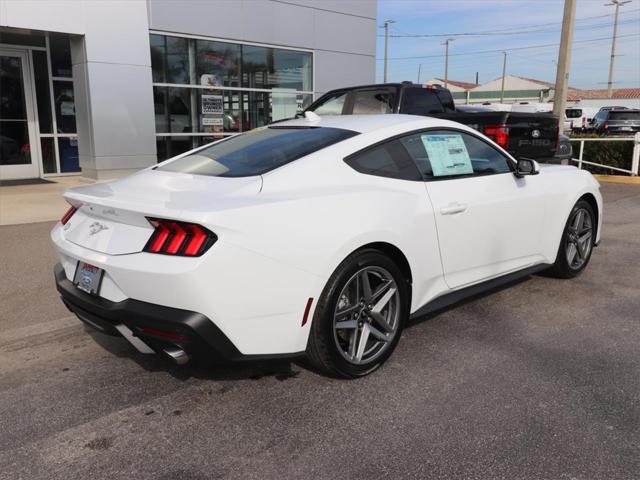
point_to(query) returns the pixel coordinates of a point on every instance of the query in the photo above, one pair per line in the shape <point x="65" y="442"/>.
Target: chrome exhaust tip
<point x="179" y="356"/>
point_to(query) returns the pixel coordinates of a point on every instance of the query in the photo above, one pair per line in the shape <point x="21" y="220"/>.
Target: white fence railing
<point x="635" y="157"/>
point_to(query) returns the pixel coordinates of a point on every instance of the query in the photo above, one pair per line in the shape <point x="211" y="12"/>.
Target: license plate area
<point x="88" y="278"/>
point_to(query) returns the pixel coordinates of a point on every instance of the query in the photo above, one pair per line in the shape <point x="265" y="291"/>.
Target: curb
<point x="618" y="179"/>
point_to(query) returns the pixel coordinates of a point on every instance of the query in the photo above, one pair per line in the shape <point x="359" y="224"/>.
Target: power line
<point x="462" y="61"/>
<point x="518" y="30"/>
<point x="545" y="51"/>
<point x="528" y="47"/>
<point x="516" y="33"/>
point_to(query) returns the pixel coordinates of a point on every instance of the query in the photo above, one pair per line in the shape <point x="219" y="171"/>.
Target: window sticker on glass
<point x="448" y="154"/>
<point x="212" y="104"/>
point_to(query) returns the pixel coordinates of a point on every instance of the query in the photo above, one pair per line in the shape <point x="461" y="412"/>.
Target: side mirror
<point x="526" y="166"/>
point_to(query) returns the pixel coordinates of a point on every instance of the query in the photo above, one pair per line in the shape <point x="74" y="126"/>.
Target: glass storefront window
<point x="171" y="146"/>
<point x="169" y="59"/>
<point x="68" y="151"/>
<point x="65" y="106"/>
<point x="32" y="40"/>
<point x="200" y="141"/>
<point x="257" y="110"/>
<point x="217" y="64"/>
<point x="60" y="51"/>
<point x="55" y="116"/>
<point x="172" y="109"/>
<point x="219" y="111"/>
<point x="41" y="75"/>
<point x="15" y="148"/>
<point x="158" y="54"/>
<point x="276" y="68"/>
<point x="47" y="146"/>
<point x="191" y="110"/>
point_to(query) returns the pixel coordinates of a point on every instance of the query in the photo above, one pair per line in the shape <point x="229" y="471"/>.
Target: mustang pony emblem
<point x="97" y="227"/>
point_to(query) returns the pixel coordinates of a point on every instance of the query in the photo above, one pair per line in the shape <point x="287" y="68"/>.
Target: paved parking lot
<point x="540" y="380"/>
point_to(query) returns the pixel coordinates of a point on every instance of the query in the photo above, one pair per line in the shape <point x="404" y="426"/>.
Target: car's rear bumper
<point x="157" y="326"/>
<point x="613" y="130"/>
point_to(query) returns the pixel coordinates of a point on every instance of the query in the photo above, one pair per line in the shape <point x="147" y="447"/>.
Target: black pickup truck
<point x="531" y="135"/>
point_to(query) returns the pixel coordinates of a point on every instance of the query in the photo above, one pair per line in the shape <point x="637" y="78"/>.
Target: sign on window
<point x="447" y="154"/>
<point x="212" y="104"/>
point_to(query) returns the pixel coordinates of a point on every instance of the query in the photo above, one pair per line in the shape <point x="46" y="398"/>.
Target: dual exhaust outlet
<point x="177" y="355"/>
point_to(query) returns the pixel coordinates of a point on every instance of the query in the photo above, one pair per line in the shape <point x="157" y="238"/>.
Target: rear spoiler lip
<point x="147" y="210"/>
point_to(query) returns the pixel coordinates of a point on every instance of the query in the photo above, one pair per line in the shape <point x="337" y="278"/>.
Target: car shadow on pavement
<point x="423" y="318"/>
<point x="213" y="368"/>
<point x="219" y="369"/>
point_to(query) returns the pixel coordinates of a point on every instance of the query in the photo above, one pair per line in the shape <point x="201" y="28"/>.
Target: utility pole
<point x="504" y="71"/>
<point x="419" y="68"/>
<point x="386" y="41"/>
<point x="618" y="4"/>
<point x="564" y="60"/>
<point x="446" y="61"/>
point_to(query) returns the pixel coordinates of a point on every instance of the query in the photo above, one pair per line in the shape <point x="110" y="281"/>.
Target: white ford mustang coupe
<point x="316" y="236"/>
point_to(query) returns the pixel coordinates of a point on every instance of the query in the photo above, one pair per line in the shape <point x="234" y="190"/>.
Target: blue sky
<point x="523" y="23"/>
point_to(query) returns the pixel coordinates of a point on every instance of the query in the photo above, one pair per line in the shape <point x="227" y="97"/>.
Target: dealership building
<point x="103" y="88"/>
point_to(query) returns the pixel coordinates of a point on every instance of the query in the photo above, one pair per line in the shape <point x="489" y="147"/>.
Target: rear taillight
<point x="67" y="216"/>
<point x="498" y="133"/>
<point x="179" y="238"/>
<point x="606" y="125"/>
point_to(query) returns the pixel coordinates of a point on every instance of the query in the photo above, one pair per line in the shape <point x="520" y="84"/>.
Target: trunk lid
<point x="112" y="216"/>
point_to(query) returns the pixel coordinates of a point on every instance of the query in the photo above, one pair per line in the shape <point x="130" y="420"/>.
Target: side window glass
<point x="484" y="158"/>
<point x="416" y="149"/>
<point x="446" y="153"/>
<point x="387" y="160"/>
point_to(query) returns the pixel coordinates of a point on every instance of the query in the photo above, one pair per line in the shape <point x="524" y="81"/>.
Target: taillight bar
<point x="183" y="239"/>
<point x="67" y="216"/>
<point x="498" y="133"/>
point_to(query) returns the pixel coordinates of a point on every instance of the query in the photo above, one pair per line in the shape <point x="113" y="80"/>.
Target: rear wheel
<point x="577" y="242"/>
<point x="360" y="315"/>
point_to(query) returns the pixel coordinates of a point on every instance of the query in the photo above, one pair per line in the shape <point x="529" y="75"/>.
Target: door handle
<point x="453" y="208"/>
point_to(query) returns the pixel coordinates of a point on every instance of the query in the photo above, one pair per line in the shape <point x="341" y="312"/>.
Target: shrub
<point x="614" y="153"/>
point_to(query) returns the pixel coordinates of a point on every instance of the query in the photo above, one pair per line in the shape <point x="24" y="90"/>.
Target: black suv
<point x="616" y="121"/>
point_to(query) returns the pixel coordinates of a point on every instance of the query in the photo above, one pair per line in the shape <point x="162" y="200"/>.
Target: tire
<point x="576" y="244"/>
<point x="346" y="309"/>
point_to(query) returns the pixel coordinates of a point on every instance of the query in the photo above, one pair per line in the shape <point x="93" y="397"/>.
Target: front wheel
<point x="360" y="315"/>
<point x="577" y="242"/>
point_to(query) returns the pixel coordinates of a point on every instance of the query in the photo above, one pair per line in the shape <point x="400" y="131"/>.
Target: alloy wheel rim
<point x="367" y="314"/>
<point x="579" y="239"/>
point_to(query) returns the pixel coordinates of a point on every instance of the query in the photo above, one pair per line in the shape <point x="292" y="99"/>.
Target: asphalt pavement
<point x="540" y="380"/>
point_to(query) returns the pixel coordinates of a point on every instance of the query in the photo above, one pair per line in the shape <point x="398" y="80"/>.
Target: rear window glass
<point x="371" y="102"/>
<point x="258" y="151"/>
<point x="624" y="115"/>
<point x="420" y="101"/>
<point x="573" y="113"/>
